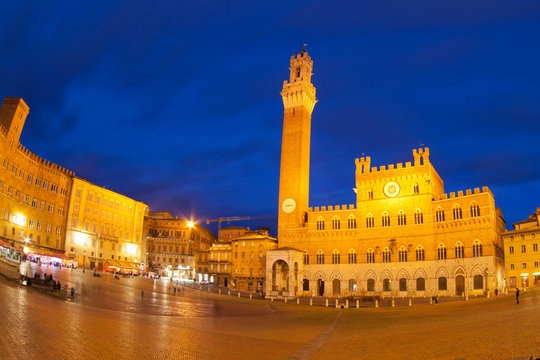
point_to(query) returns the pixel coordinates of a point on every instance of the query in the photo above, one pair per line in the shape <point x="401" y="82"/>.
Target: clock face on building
<point x="288" y="205"/>
<point x="391" y="189"/>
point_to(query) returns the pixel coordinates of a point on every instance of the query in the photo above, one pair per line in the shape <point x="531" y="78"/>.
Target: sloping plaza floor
<point x="111" y="319"/>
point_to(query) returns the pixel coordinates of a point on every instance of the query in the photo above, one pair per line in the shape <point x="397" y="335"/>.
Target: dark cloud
<point x="178" y="104"/>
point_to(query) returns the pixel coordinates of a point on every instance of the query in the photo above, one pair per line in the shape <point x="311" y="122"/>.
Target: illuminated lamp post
<point x="96" y="253"/>
<point x="190" y="225"/>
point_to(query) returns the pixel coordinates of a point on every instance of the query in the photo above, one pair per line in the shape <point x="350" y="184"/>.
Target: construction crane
<point x="228" y="219"/>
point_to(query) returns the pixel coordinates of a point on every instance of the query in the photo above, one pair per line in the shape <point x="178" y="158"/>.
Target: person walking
<point x="142" y="294"/>
<point x="517" y="296"/>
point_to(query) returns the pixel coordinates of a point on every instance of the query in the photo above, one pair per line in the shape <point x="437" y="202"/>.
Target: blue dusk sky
<point x="177" y="104"/>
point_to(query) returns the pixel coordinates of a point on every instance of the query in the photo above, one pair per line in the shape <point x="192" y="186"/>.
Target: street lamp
<point x="96" y="264"/>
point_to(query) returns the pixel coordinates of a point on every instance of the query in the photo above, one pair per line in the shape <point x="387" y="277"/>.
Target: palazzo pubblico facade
<point x="404" y="236"/>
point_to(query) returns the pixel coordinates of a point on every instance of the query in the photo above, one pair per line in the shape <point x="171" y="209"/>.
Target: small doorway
<point x="460" y="285"/>
<point x="336" y="287"/>
<point x="320" y="287"/>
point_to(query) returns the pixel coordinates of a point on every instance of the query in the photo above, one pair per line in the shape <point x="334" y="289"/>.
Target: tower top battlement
<point x="299" y="91"/>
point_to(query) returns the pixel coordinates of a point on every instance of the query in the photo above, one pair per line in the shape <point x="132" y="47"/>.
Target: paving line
<point x="308" y="351"/>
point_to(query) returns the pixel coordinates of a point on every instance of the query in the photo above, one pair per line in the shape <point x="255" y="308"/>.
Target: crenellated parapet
<point x="331" y="208"/>
<point x="462" y="193"/>
<point x="299" y="91"/>
<point x="43" y="162"/>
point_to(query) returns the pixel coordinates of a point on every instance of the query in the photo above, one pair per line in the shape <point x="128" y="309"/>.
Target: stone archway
<point x="460" y="285"/>
<point x="280" y="276"/>
<point x="336" y="287"/>
<point x="320" y="287"/>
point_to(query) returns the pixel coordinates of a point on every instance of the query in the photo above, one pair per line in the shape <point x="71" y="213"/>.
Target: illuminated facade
<point x="521" y="254"/>
<point x="103" y="225"/>
<point x="170" y="244"/>
<point x="34" y="193"/>
<point x="404" y="236"/>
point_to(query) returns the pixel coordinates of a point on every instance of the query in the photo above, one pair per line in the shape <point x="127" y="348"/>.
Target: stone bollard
<point x="229" y="292"/>
<point x="376" y="303"/>
<point x="271" y="299"/>
<point x="466" y="297"/>
<point x="311" y="302"/>
<point x="488" y="295"/>
<point x="347" y="304"/>
<point x="239" y="294"/>
<point x="298" y="301"/>
<point x="219" y="291"/>
<point x="250" y="296"/>
<point x="337" y="305"/>
<point x="357" y="303"/>
<point x="208" y="289"/>
<point x="431" y="301"/>
<point x="285" y="300"/>
<point x="410" y="302"/>
<point x="393" y="304"/>
<point x="326" y="302"/>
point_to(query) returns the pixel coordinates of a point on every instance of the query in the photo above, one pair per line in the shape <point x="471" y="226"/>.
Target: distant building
<point x="404" y="236"/>
<point x="104" y="225"/>
<point x="171" y="243"/>
<point x="521" y="254"/>
<point x="34" y="192"/>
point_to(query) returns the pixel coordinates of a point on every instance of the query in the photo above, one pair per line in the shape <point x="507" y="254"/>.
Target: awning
<point x="113" y="263"/>
<point x="49" y="253"/>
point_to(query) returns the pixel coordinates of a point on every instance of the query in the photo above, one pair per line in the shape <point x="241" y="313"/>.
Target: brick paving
<point x="109" y="320"/>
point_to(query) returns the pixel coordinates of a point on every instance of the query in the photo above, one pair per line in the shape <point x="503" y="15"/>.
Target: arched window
<point x="386" y="255"/>
<point x="336" y="223"/>
<point x="478" y="282"/>
<point x="457" y="212"/>
<point x="475" y="209"/>
<point x="336" y="257"/>
<point x="460" y="253"/>
<point x="352" y="256"/>
<point x="442" y="283"/>
<point x="418" y="217"/>
<point x="369" y="221"/>
<point x="402" y="284"/>
<point x="415" y="188"/>
<point x="306" y="258"/>
<point x="441" y="252"/>
<point x="402" y="254"/>
<point x="477" y="248"/>
<point x="371" y="285"/>
<point x="439" y="214"/>
<point x="370" y="256"/>
<point x="370" y="194"/>
<point x="352" y="285"/>
<point x="320" y="223"/>
<point x="320" y="257"/>
<point x="351" y="222"/>
<point x="402" y="218"/>
<point x="387" y="285"/>
<point x="420" y="253"/>
<point x="420" y="284"/>
<point x="305" y="285"/>
<point x="385" y="219"/>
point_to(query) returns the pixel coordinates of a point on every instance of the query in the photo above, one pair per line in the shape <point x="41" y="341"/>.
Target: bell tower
<point x="298" y="101"/>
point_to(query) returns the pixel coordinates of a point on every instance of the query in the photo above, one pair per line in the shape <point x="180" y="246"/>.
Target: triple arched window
<point x="402" y="254"/>
<point x="418" y="217"/>
<point x="369" y="221"/>
<point x="402" y="218"/>
<point x="477" y="248"/>
<point x="439" y="215"/>
<point x="336" y="257"/>
<point x="306" y="258"/>
<point x="385" y="219"/>
<point x="336" y="223"/>
<point x="320" y="223"/>
<point x="415" y="189"/>
<point x="475" y="210"/>
<point x="457" y="212"/>
<point x="460" y="252"/>
<point x="351" y="222"/>
<point x="320" y="257"/>
<point x="370" y="256"/>
<point x="386" y="255"/>
<point x="441" y="252"/>
<point x="420" y="253"/>
<point x="352" y="256"/>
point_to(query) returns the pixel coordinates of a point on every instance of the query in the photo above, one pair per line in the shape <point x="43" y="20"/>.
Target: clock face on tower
<point x="288" y="205"/>
<point x="391" y="189"/>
